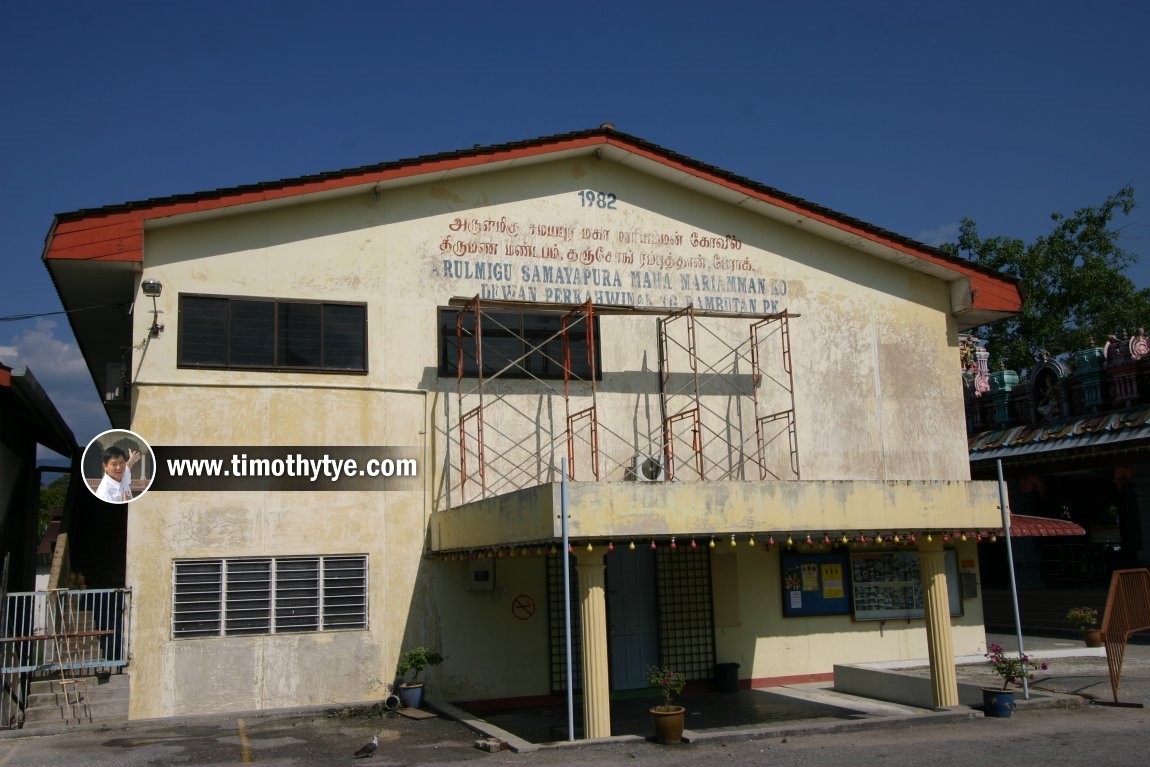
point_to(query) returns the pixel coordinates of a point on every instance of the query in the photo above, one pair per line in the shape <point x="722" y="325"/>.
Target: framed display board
<point x="815" y="584"/>
<point x="887" y="585"/>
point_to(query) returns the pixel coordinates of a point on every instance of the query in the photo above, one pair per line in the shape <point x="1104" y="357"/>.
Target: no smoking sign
<point x="523" y="607"/>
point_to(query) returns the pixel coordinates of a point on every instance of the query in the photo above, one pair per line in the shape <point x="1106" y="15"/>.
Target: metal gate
<point x="64" y="631"/>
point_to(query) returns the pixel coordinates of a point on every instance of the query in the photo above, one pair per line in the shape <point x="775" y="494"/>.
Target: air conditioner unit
<point x="649" y="468"/>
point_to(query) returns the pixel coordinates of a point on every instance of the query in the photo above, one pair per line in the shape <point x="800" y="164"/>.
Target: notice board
<point x="815" y="584"/>
<point x="887" y="585"/>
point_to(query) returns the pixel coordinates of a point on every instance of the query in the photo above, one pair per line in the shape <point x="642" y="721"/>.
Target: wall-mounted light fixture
<point x="152" y="289"/>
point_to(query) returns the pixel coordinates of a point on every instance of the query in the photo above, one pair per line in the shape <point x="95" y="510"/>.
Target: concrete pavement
<point x="331" y="735"/>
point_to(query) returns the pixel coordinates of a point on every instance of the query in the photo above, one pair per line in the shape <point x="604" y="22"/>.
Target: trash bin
<point x="727" y="677"/>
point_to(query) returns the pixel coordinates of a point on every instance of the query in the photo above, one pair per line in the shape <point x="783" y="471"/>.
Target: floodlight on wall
<point x="152" y="289"/>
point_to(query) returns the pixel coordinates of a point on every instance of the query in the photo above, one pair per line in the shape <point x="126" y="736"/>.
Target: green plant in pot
<point x="413" y="662"/>
<point x="1013" y="669"/>
<point x="667" y="717"/>
<point x="1085" y="619"/>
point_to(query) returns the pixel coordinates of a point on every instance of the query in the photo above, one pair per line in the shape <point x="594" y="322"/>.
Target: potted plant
<point x="1085" y="619"/>
<point x="1012" y="669"/>
<point x="667" y="717"/>
<point x="412" y="662"/>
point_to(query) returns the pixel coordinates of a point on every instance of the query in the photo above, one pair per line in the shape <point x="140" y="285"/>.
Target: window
<point x="268" y="595"/>
<point x="265" y="333"/>
<point x="509" y="341"/>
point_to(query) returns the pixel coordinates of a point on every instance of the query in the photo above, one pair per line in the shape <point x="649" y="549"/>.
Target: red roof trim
<point x="1024" y="526"/>
<point x="115" y="233"/>
<point x="981" y="283"/>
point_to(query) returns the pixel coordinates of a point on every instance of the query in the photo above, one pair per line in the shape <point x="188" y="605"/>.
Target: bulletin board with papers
<point x="887" y="585"/>
<point x="815" y="583"/>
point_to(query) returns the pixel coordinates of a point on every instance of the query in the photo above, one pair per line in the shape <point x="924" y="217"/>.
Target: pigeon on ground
<point x="369" y="748"/>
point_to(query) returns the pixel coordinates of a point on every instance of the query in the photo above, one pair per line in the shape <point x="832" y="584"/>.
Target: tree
<point x="52" y="497"/>
<point x="1074" y="291"/>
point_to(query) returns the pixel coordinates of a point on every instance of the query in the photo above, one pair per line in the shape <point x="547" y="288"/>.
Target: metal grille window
<point x="686" y="628"/>
<point x="558" y="643"/>
<point x="268" y="595"/>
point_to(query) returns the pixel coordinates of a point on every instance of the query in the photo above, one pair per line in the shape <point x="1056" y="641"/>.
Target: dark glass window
<point x="220" y="332"/>
<point x="516" y="344"/>
<point x="203" y="331"/>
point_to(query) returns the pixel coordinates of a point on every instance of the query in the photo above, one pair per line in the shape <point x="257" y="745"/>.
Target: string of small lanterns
<point x="806" y="540"/>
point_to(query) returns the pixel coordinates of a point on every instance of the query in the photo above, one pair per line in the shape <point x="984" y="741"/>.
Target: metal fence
<point x="70" y="632"/>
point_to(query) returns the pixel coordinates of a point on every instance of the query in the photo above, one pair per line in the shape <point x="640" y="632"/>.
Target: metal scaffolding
<point x="577" y="421"/>
<point x="724" y="404"/>
<point x="773" y="425"/>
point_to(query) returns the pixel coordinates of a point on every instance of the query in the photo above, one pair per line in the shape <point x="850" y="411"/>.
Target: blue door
<point x="632" y="616"/>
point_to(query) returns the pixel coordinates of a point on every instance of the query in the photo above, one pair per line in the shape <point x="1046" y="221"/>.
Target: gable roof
<point x="115" y="232"/>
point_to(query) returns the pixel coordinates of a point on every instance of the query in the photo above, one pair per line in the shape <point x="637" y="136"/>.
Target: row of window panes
<point x="229" y="597"/>
<point x="516" y="344"/>
<point x="253" y="333"/>
<point x="269" y="333"/>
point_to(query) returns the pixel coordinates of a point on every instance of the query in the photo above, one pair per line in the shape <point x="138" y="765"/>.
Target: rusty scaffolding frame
<point x="581" y="315"/>
<point x="737" y="373"/>
<point x="773" y="425"/>
<point x="686" y="402"/>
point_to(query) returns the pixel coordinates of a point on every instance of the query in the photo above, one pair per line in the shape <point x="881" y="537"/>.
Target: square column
<point x="593" y="603"/>
<point x="939" y="641"/>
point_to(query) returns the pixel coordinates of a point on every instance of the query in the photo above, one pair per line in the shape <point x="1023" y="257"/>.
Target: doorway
<point x="632" y="617"/>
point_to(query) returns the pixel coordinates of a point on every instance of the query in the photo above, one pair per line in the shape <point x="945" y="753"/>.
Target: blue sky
<point x="909" y="115"/>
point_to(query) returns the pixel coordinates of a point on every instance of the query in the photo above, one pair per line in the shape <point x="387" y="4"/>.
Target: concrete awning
<point x="621" y="511"/>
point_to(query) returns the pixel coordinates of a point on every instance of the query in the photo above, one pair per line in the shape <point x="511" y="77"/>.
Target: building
<point x="1073" y="438"/>
<point x="28" y="419"/>
<point x="755" y="397"/>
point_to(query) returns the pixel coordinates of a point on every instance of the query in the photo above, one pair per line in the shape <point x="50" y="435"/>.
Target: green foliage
<point x="1011" y="668"/>
<point x="1083" y="618"/>
<point x="1072" y="283"/>
<point x="416" y="660"/>
<point x="668" y="682"/>
<point x="52" y="497"/>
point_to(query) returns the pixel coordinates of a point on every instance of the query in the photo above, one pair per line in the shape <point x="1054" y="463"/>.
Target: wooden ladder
<point x="62" y="622"/>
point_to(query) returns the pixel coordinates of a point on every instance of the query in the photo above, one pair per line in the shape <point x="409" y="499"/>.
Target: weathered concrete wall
<point x="876" y="398"/>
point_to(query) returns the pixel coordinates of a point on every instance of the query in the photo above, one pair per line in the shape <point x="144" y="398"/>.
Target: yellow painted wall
<point x="497" y="649"/>
<point x="767" y="645"/>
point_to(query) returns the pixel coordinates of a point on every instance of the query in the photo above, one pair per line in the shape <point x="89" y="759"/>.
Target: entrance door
<point x="632" y="617"/>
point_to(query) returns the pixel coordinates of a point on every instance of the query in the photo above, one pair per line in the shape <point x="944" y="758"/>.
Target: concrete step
<point x="51" y="704"/>
<point x="92" y="694"/>
<point x="46" y="716"/>
<point x="52" y="685"/>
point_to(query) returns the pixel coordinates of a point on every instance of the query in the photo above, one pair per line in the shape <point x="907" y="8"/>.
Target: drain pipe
<point x="1013" y="583"/>
<point x="566" y="554"/>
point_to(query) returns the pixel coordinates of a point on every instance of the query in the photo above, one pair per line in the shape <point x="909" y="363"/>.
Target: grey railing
<point x="65" y="630"/>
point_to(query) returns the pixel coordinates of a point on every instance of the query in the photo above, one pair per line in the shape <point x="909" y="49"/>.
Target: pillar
<point x="940" y="643"/>
<point x="593" y="603"/>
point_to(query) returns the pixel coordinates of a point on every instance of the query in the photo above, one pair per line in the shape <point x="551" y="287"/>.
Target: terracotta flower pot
<point x="1093" y="637"/>
<point x="668" y="723"/>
